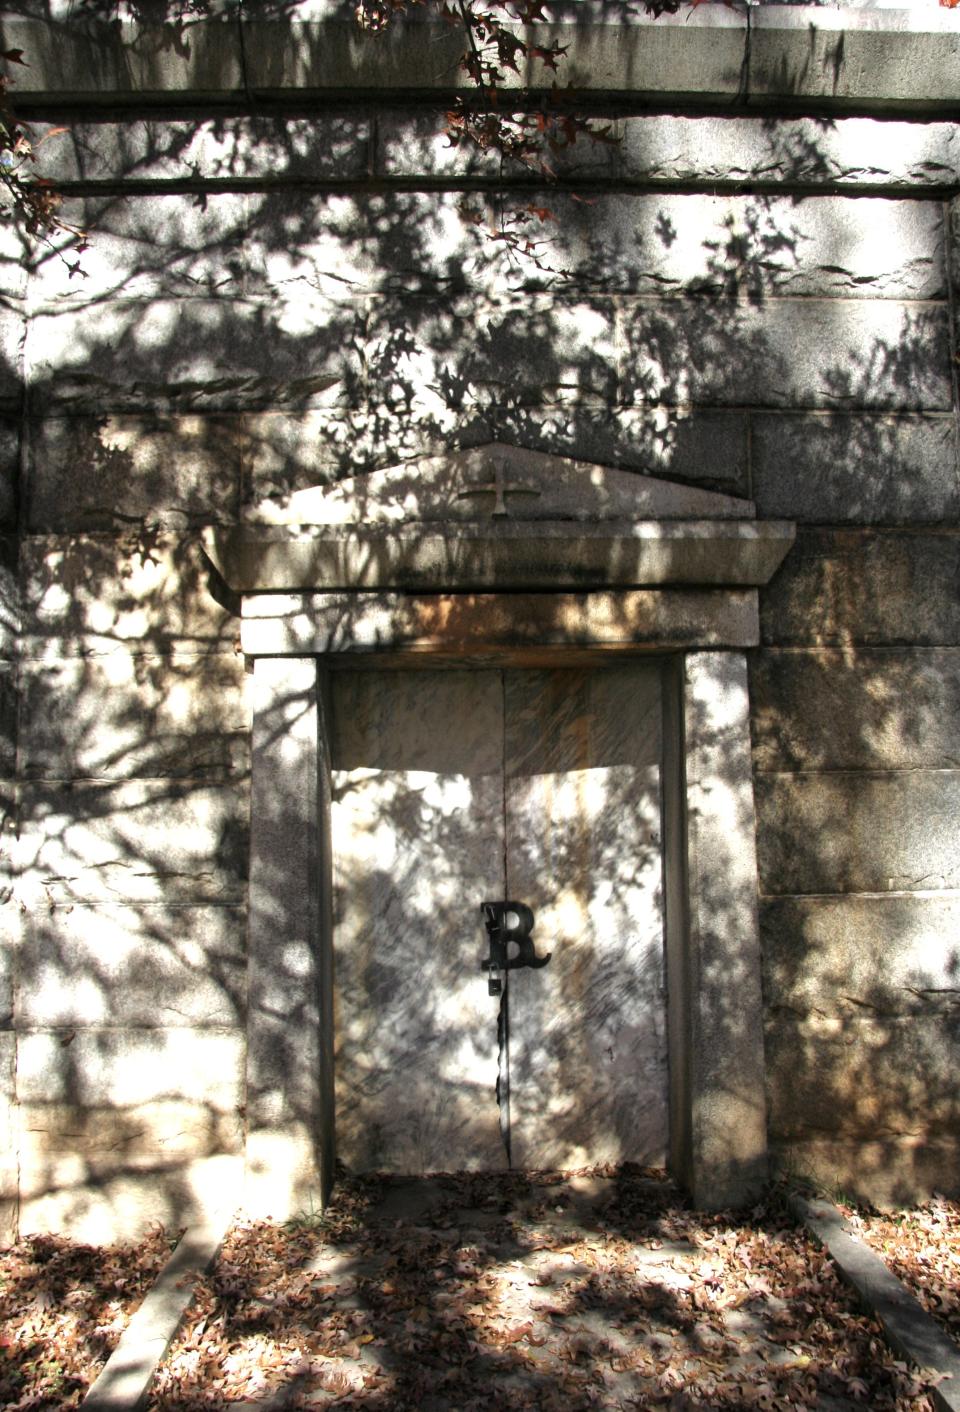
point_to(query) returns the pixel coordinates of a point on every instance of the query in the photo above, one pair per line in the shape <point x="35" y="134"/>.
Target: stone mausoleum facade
<point x="358" y="570"/>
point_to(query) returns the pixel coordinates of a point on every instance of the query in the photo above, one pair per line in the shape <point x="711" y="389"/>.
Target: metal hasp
<point x="508" y="925"/>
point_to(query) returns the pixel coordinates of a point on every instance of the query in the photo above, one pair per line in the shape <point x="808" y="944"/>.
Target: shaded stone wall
<point x="759" y="304"/>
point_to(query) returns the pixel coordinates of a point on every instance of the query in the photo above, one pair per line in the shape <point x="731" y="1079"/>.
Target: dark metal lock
<point x="508" y="925"/>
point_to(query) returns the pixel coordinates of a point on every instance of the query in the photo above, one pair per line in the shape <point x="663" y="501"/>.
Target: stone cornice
<point x="778" y="56"/>
<point x="507" y="556"/>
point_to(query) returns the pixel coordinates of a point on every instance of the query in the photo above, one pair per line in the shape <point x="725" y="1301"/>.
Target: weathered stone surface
<point x="716" y="1005"/>
<point x="288" y="451"/>
<point x="10" y="621"/>
<point x="9" y="474"/>
<point x="892" y="1172"/>
<point x="852" y="152"/>
<point x="702" y="446"/>
<point x="854" y="56"/>
<point x="490" y="489"/>
<point x="133" y="841"/>
<point x="426" y="354"/>
<point x="9" y="1139"/>
<point x="92" y="473"/>
<point x="846" y="587"/>
<point x="146" y="591"/>
<point x="838" y="957"/>
<point x="302" y="246"/>
<point x="477" y="625"/>
<point x="146" y="247"/>
<point x="850" y="709"/>
<point x="861" y="470"/>
<point x="8" y="717"/>
<point x="868" y="1075"/>
<point x="145" y="965"/>
<point x="843" y="58"/>
<point x="99" y="1200"/>
<point x="222" y="148"/>
<point x="832" y="353"/>
<point x="323" y="53"/>
<point x="122" y="716"/>
<point x="418" y="844"/>
<point x="171" y="1127"/>
<point x="858" y="832"/>
<point x="191" y="354"/>
<point x="289" y="1073"/>
<point x="751" y="246"/>
<point x="127" y="1068"/>
<point x="500" y="554"/>
<point x="586" y="1077"/>
<point x="13" y="329"/>
<point x="10" y="933"/>
<point x="640" y="243"/>
<point x="96" y="59"/>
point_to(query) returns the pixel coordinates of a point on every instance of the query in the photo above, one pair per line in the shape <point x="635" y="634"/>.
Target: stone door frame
<point x="716" y="1068"/>
<point x="425" y="563"/>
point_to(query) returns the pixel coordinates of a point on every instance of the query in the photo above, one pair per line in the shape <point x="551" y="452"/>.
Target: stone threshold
<point x="906" y="1324"/>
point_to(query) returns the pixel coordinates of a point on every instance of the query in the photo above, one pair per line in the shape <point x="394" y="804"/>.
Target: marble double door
<point x="455" y="787"/>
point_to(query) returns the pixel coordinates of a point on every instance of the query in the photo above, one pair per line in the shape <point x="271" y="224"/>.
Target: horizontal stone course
<point x="336" y="144"/>
<point x="841" y="58"/>
<point x="865" y="587"/>
<point x="867" y="1075"/>
<point x="102" y="472"/>
<point x="836" y="353"/>
<point x="860" y="56"/>
<point x="134" y="966"/>
<point x="100" y="1199"/>
<point x="127" y="1068"/>
<point x="122" y="716"/>
<point x="889" y="1171"/>
<point x="170" y="1127"/>
<point x="196" y="354"/>
<point x="143" y="592"/>
<point x="9" y="694"/>
<point x="83" y="58"/>
<point x="657" y="243"/>
<point x="855" y="152"/>
<point x="860" y="469"/>
<point x="858" y="832"/>
<point x="133" y="841"/>
<point x="848" y="709"/>
<point x="430" y="356"/>
<point x="222" y="147"/>
<point x="156" y="246"/>
<point x="843" y="957"/>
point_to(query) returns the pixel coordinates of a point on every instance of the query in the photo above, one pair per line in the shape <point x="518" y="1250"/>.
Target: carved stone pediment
<point x="497" y="482"/>
<point x="499" y="519"/>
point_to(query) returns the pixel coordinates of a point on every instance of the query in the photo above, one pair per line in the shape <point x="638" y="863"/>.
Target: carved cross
<point x="499" y="487"/>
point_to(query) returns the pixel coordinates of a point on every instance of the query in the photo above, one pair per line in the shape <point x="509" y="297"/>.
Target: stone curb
<point x="907" y="1325"/>
<point x="125" y="1379"/>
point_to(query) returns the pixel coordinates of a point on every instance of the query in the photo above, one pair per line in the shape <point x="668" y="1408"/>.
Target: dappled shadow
<point x="228" y="347"/>
<point x="540" y="1289"/>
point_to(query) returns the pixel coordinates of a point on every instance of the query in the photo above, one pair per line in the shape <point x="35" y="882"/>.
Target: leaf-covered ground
<point x="528" y="1290"/>
<point x="63" y="1308"/>
<point x="922" y="1248"/>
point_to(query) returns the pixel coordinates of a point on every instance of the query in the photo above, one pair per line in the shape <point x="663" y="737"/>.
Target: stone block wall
<point x="758" y="302"/>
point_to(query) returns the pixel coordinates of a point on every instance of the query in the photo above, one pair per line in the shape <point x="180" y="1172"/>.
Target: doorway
<point x="455" y="787"/>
